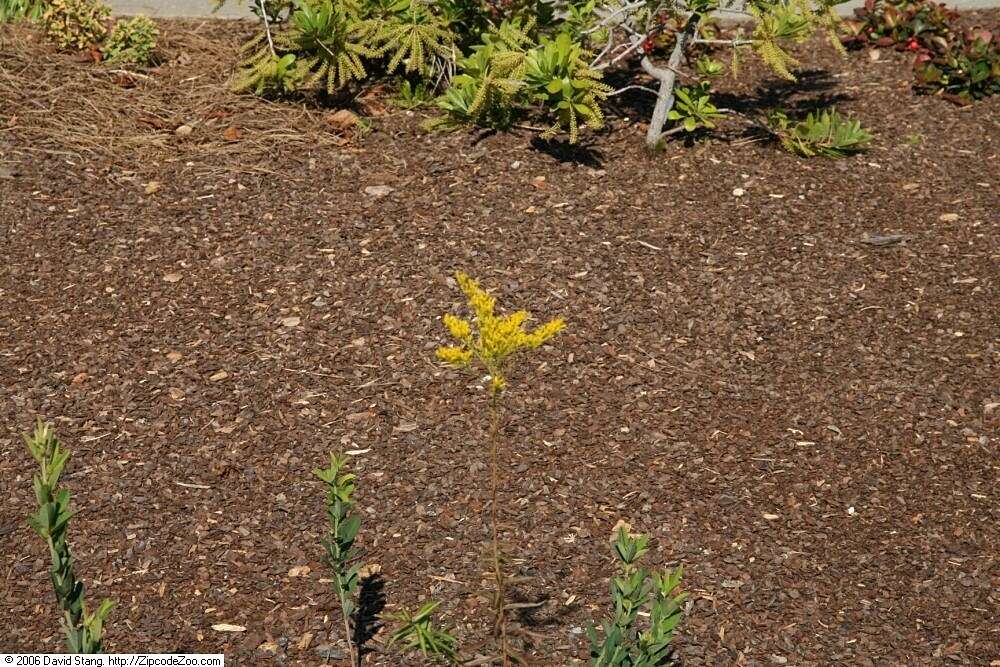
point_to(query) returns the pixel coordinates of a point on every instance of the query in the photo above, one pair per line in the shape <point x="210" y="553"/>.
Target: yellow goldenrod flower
<point x="480" y="301"/>
<point x="496" y="338"/>
<point x="455" y="356"/>
<point x="543" y="333"/>
<point x="497" y="384"/>
<point x="459" y="329"/>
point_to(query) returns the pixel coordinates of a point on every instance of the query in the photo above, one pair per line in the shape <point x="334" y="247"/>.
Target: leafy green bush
<point x="969" y="69"/>
<point x="498" y="62"/>
<point x="83" y="629"/>
<point x="132" y="41"/>
<point x="904" y="24"/>
<point x="637" y="591"/>
<point x="329" y="43"/>
<point x="76" y="24"/>
<point x="827" y="134"/>
<point x="502" y="79"/>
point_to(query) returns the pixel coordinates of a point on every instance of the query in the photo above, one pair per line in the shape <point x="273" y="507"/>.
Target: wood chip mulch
<point x="803" y="413"/>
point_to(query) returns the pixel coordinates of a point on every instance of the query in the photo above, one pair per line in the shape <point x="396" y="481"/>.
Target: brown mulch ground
<point x="808" y="422"/>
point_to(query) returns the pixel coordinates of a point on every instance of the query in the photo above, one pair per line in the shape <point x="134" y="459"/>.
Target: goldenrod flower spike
<point x="455" y="356"/>
<point x="459" y="329"/>
<point x="495" y="338"/>
<point x="480" y="301"/>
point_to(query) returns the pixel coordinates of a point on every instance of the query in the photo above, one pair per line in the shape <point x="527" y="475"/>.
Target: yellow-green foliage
<point x="330" y="42"/>
<point x="327" y="42"/>
<point x="826" y="133"/>
<point x="414" y="38"/>
<point x="76" y="24"/>
<point x="781" y="21"/>
<point x="490" y="339"/>
<point x="504" y="77"/>
<point x="269" y="74"/>
<point x="131" y="41"/>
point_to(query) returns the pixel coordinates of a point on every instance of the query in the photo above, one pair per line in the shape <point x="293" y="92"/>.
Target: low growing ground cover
<point x="784" y="371"/>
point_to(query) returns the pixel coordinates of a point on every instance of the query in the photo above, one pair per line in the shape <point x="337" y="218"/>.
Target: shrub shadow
<point x="812" y="90"/>
<point x="563" y="151"/>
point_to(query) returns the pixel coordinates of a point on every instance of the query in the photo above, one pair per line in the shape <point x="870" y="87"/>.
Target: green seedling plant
<point x="418" y="632"/>
<point x="826" y="133"/>
<point x="490" y="342"/>
<point x="412" y="95"/>
<point x="83" y="628"/>
<point x="343" y="526"/>
<point x="708" y="67"/>
<point x="694" y="108"/>
<point x="131" y="41"/>
<point x="637" y="591"/>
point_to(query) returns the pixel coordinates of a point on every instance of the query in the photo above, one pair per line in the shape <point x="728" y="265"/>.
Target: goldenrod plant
<point x="636" y="592"/>
<point x="490" y="342"/>
<point x="76" y="24"/>
<point x="339" y="543"/>
<point x="83" y="628"/>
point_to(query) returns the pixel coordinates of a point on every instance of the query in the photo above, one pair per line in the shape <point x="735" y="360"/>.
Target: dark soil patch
<point x="808" y="422"/>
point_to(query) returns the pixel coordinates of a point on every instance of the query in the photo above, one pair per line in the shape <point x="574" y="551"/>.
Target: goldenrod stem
<point x="501" y="613"/>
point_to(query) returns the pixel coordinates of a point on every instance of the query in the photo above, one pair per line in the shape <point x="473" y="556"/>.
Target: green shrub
<point x="132" y="41"/>
<point x="83" y="628"/>
<point x="323" y="46"/>
<point x="76" y="24"/>
<point x="502" y="79"/>
<point x="418" y="632"/>
<point x="501" y="62"/>
<point x="694" y="108"/>
<point x="826" y="133"/>
<point x="904" y="24"/>
<point x="969" y="69"/>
